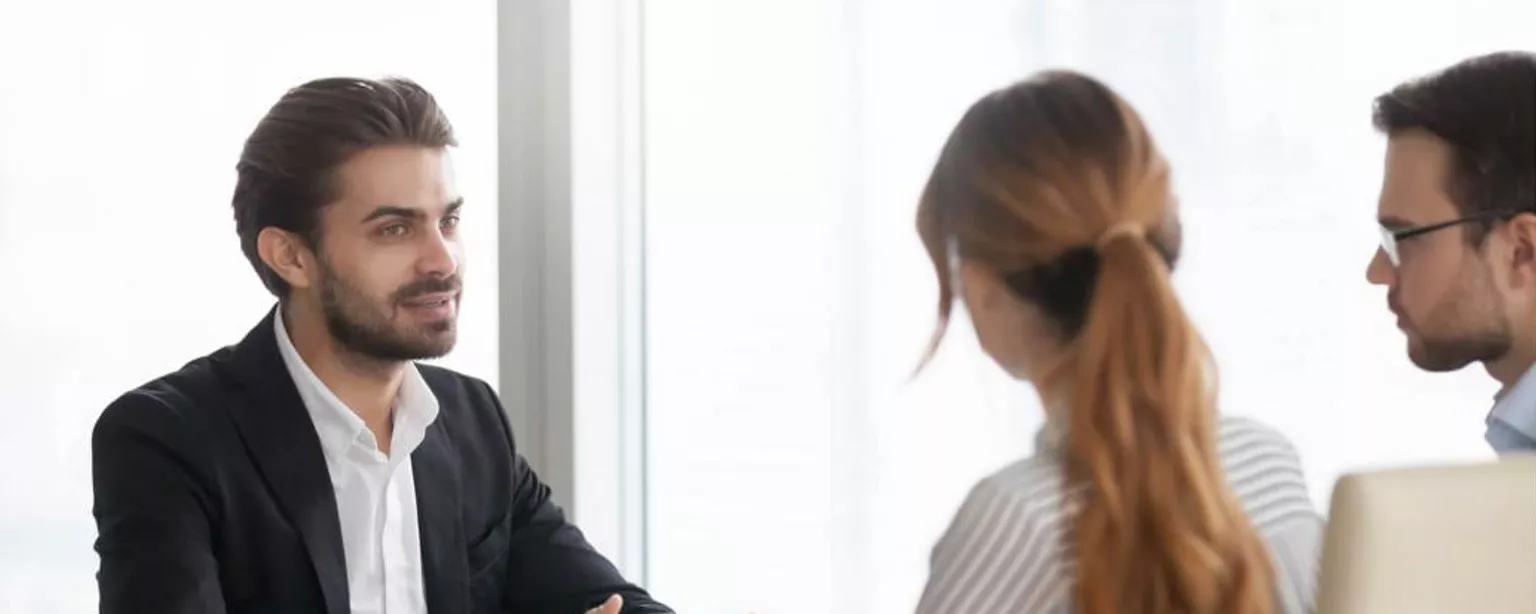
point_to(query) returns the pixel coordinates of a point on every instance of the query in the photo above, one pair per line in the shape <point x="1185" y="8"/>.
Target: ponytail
<point x="1158" y="531"/>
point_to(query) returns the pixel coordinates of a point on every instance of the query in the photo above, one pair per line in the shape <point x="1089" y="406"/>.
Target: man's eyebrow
<point x="395" y="210"/>
<point x="1392" y="221"/>
<point x="411" y="213"/>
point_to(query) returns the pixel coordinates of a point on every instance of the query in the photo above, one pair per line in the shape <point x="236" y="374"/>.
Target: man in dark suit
<point x="315" y="466"/>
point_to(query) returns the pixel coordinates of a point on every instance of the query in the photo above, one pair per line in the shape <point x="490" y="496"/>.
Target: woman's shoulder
<point x="1035" y="479"/>
<point x="1240" y="425"/>
<point x="1022" y="503"/>
<point x="1028" y="494"/>
<point x="1242" y="440"/>
<point x="1006" y="547"/>
<point x="1264" y="470"/>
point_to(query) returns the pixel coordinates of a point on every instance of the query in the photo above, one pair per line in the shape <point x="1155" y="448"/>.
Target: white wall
<point x="120" y="125"/>
<point x="793" y="468"/>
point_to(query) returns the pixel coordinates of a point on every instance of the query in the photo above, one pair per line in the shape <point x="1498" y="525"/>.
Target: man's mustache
<point x="429" y="285"/>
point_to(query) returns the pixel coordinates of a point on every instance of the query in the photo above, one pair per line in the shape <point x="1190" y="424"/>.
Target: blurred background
<point x="692" y="270"/>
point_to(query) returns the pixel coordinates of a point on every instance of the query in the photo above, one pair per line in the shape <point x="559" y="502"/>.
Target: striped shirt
<point x="1007" y="549"/>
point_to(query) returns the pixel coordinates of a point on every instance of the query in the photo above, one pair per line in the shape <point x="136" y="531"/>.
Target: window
<point x="792" y="467"/>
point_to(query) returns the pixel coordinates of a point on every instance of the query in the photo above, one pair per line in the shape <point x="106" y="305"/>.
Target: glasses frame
<point x="1390" y="238"/>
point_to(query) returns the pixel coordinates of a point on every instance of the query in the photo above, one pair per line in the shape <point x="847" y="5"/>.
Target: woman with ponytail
<point x="1050" y="214"/>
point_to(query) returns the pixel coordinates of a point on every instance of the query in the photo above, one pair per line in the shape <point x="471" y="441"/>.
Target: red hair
<point x="1028" y="183"/>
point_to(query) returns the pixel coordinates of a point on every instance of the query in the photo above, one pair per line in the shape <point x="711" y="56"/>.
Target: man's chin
<point x="1435" y="359"/>
<point x="435" y="345"/>
<point x="421" y="345"/>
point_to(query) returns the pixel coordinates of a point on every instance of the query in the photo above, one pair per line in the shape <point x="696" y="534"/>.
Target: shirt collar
<point x="1053" y="430"/>
<point x="1516" y="406"/>
<point x="416" y="407"/>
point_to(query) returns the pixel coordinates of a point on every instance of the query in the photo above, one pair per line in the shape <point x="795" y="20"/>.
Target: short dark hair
<point x="286" y="170"/>
<point x="1485" y="109"/>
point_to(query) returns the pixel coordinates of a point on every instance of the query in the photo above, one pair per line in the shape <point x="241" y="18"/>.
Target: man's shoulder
<point x="443" y="380"/>
<point x="179" y="400"/>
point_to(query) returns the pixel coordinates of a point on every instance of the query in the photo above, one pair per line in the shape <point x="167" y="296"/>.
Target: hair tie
<point x="1121" y="230"/>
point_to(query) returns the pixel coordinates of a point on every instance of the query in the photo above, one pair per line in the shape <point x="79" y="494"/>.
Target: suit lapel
<point x="282" y="439"/>
<point x="445" y="569"/>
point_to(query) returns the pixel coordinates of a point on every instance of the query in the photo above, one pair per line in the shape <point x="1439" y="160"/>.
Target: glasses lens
<point x="1389" y="245"/>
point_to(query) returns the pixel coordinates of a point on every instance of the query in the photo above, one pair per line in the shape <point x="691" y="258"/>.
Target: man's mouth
<point x="437" y="299"/>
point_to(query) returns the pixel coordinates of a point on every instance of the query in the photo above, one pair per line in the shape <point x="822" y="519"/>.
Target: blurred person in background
<point x="315" y="466"/>
<point x="1458" y="228"/>
<point x="1050" y="216"/>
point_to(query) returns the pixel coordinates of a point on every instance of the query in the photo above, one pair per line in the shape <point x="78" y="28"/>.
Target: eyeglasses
<point x="1390" y="238"/>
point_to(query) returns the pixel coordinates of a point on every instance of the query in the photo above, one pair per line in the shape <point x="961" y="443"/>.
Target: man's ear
<point x="1522" y="237"/>
<point x="288" y="255"/>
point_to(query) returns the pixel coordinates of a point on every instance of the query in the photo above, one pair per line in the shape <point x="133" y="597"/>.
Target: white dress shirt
<point x="375" y="493"/>
<point x="1512" y="423"/>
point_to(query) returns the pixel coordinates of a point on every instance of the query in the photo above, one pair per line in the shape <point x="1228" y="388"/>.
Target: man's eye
<point x="451" y="221"/>
<point x="394" y="230"/>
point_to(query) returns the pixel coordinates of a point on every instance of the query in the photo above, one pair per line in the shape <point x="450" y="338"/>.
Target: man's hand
<point x="611" y="606"/>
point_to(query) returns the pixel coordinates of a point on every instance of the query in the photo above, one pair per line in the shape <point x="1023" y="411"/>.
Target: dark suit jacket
<point x="212" y="496"/>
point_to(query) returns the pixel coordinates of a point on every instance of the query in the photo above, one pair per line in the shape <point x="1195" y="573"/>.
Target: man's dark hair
<point x="286" y="172"/>
<point x="1485" y="109"/>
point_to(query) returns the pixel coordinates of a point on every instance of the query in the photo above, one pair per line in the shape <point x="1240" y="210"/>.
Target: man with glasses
<point x="1458" y="222"/>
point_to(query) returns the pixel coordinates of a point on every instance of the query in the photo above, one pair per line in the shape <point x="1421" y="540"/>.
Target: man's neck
<point x="365" y="385"/>
<point x="1513" y="365"/>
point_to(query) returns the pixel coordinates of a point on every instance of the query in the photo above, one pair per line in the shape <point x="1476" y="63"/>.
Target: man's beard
<point x="363" y="326"/>
<point x="1464" y="328"/>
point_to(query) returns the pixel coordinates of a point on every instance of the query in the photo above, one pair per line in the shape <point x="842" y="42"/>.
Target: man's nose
<point x="1380" y="271"/>
<point x="439" y="257"/>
